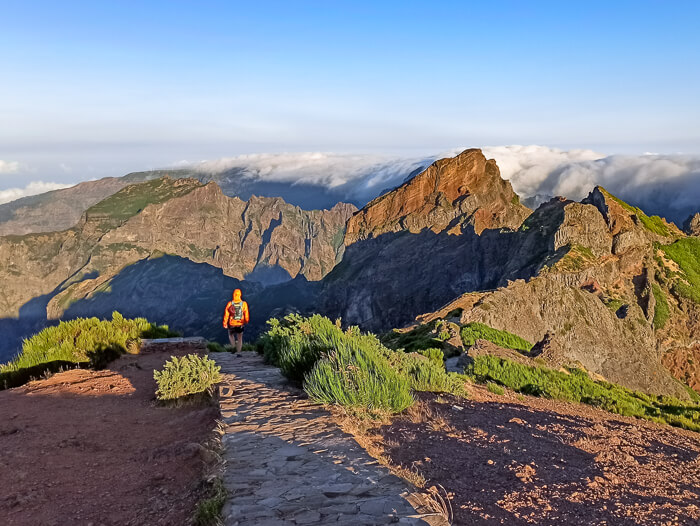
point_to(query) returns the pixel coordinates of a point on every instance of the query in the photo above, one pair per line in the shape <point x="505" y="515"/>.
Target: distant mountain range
<point x="598" y="283"/>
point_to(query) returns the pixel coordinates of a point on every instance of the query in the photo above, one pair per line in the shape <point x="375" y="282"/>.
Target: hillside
<point x="579" y="276"/>
<point x="115" y="253"/>
<point x="596" y="283"/>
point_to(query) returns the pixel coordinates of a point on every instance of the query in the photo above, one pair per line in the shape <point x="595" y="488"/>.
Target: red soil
<point x="91" y="447"/>
<point x="518" y="461"/>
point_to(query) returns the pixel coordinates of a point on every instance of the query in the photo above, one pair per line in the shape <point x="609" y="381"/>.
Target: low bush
<point x="495" y="388"/>
<point x="479" y="331"/>
<point x="83" y="341"/>
<point x="189" y="375"/>
<point x="418" y="339"/>
<point x="577" y="386"/>
<point x="349" y="368"/>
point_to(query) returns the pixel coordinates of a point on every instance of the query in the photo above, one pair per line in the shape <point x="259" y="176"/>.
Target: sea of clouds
<point x="667" y="185"/>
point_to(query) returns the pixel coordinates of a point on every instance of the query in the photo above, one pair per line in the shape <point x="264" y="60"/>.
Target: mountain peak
<point x="450" y="194"/>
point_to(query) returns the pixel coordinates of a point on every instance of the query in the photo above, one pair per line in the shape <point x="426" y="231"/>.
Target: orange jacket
<point x="229" y="321"/>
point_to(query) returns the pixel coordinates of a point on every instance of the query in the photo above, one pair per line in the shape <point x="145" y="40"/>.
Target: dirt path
<point x="523" y="461"/>
<point x="91" y="447"/>
<point x="288" y="463"/>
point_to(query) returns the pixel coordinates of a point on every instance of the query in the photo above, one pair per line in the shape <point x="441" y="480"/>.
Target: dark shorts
<point x="235" y="330"/>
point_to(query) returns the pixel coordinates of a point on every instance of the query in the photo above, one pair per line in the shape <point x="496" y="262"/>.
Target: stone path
<point x="288" y="463"/>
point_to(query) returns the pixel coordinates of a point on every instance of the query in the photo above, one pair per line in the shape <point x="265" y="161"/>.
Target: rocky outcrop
<point x="630" y="226"/>
<point x="692" y="225"/>
<point x="450" y="195"/>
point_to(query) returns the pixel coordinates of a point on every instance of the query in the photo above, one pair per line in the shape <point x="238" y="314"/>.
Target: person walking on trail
<point x="236" y="317"/>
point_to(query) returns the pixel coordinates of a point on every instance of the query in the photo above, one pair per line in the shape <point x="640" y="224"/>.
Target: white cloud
<point x="9" y="167"/>
<point x="668" y="185"/>
<point x="33" y="188"/>
<point x="357" y="177"/>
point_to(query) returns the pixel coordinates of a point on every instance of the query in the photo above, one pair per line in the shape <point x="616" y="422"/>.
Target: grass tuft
<point x="479" y="331"/>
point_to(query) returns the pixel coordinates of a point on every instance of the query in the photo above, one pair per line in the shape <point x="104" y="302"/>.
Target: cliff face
<point x="450" y="195"/>
<point x="692" y="225"/>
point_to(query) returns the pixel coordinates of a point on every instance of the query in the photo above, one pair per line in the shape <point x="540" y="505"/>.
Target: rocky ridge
<point x="582" y="275"/>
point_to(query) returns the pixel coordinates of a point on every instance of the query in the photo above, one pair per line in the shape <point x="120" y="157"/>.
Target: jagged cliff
<point x="450" y="195"/>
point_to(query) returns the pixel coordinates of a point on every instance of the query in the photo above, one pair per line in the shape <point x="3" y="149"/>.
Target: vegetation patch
<point x="208" y="512"/>
<point x="418" y="339"/>
<point x="576" y="258"/>
<point x="575" y="385"/>
<point x="350" y="368"/>
<point x="479" y="331"/>
<point x="132" y="199"/>
<point x="654" y="224"/>
<point x="662" y="311"/>
<point x="189" y="375"/>
<point x="686" y="254"/>
<point x="83" y="341"/>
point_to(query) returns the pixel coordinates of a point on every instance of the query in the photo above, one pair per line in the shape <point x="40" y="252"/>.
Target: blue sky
<point x="100" y="88"/>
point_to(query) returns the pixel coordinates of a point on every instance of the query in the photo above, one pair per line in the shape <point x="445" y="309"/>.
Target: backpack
<point x="236" y="311"/>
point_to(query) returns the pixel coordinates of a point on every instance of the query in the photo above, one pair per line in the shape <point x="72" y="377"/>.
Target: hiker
<point x="236" y="317"/>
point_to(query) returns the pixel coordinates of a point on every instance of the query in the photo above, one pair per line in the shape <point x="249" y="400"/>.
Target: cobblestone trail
<point x="288" y="463"/>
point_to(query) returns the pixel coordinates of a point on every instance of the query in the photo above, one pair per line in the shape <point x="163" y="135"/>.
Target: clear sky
<point x="98" y="88"/>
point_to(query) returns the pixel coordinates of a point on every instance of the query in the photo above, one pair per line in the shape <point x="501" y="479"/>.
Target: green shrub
<point x="662" y="311"/>
<point x="208" y="512"/>
<point x="82" y="341"/>
<point x="495" y="388"/>
<point x="614" y="304"/>
<point x="349" y="368"/>
<point x="349" y="376"/>
<point x="216" y="347"/>
<point x="577" y="386"/>
<point x="686" y="253"/>
<point x="417" y="339"/>
<point x="436" y="356"/>
<point x="188" y="375"/>
<point x="479" y="331"/>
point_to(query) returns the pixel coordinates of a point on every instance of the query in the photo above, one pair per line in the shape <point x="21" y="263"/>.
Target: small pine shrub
<point x="349" y="368"/>
<point x="350" y="377"/>
<point x="479" y="331"/>
<point x="188" y="375"/>
<point x="436" y="356"/>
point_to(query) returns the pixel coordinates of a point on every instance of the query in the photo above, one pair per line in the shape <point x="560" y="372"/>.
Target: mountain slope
<point x="576" y="275"/>
<point x="264" y="241"/>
